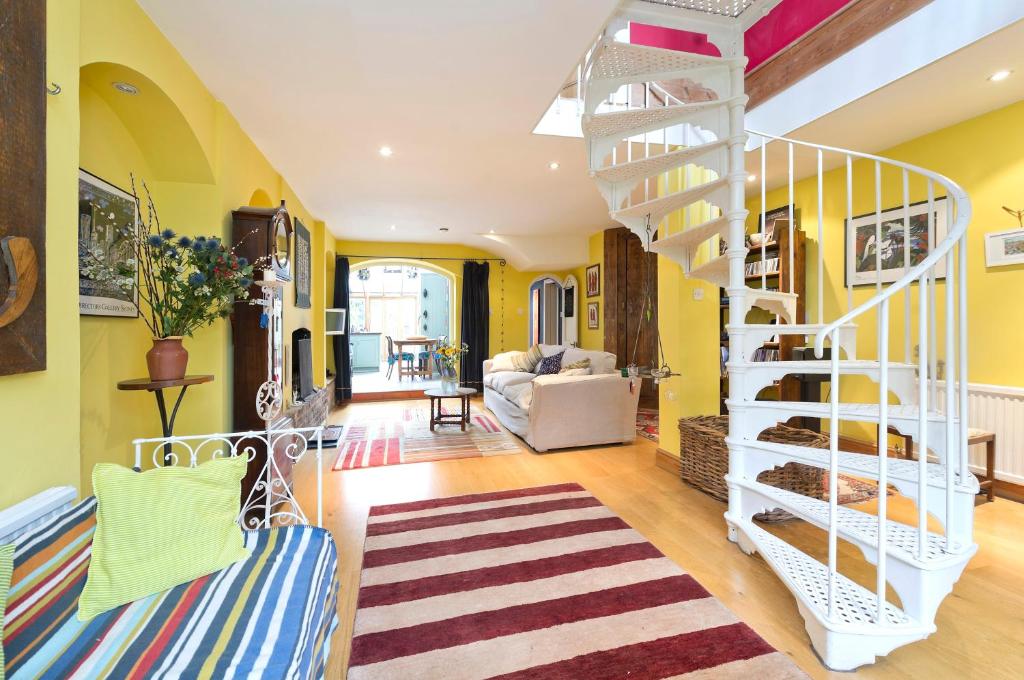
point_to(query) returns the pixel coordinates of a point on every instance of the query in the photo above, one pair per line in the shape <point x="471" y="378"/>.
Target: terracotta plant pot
<point x="167" y="360"/>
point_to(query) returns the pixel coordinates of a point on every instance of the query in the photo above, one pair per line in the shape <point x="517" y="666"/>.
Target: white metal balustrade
<point x="642" y="155"/>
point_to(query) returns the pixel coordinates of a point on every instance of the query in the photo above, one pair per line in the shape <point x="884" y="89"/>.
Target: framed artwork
<point x="593" y="280"/>
<point x="105" y="212"/>
<point x="1003" y="248"/>
<point x="900" y="244"/>
<point x="23" y="178"/>
<point x="302" y="257"/>
<point x="593" y="321"/>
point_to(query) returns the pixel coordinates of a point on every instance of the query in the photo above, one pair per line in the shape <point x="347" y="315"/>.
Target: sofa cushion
<point x="528" y="360"/>
<point x="502" y="380"/>
<point x="575" y="371"/>
<point x="550" y="350"/>
<point x="550" y="365"/>
<point x="521" y="395"/>
<point x="503" y="362"/>
<point x="600" y="362"/>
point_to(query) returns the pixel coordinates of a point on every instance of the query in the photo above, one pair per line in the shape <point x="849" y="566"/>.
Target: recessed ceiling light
<point x="1000" y="75"/>
<point x="491" y="231"/>
<point x="392" y="227"/>
<point x="553" y="165"/>
<point x="125" y="88"/>
<point x="751" y="178"/>
<point x="386" y="151"/>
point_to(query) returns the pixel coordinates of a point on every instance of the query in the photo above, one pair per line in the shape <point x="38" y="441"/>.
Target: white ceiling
<point x="453" y="86"/>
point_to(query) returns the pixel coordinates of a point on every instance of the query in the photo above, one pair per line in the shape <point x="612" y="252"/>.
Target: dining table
<point x="414" y="369"/>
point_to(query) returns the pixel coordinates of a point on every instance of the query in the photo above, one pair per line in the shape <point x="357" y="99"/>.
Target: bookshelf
<point x="776" y="263"/>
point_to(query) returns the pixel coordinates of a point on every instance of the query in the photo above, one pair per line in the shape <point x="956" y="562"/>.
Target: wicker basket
<point x="704" y="459"/>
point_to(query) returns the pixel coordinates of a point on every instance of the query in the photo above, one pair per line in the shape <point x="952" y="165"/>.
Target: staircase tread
<point x="855" y="605"/>
<point x="789" y="328"/>
<point x="811" y="408"/>
<point x="864" y="464"/>
<point x="618" y="122"/>
<point x="658" y="206"/>
<point x="653" y="165"/>
<point x="618" y="60"/>
<point x="862" y="527"/>
<point x="692" y="236"/>
<point x="816" y="365"/>
<point x="712" y="271"/>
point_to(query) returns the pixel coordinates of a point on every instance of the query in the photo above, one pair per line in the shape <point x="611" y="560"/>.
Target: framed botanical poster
<point x="302" y="259"/>
<point x="593" y="321"/>
<point x="106" y="217"/>
<point x="901" y="244"/>
<point x="593" y="280"/>
<point x="1004" y="248"/>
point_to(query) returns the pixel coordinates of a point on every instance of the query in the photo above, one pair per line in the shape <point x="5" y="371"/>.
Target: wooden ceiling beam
<point x="852" y="26"/>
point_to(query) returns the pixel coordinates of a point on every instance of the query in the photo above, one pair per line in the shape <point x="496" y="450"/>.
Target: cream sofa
<point x="560" y="411"/>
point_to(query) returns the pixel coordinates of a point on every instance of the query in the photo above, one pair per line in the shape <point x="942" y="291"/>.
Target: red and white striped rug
<point x="537" y="583"/>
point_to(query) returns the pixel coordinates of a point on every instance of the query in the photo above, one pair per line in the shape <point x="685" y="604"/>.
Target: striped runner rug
<point x="405" y="439"/>
<point x="537" y="583"/>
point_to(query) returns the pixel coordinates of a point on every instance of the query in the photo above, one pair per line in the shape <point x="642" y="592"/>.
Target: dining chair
<point x="394" y="358"/>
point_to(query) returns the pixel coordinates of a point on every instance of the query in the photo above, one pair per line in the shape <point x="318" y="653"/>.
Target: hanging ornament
<point x="650" y="313"/>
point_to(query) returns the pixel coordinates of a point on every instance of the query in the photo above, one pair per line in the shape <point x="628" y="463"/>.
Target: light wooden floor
<point x="980" y="626"/>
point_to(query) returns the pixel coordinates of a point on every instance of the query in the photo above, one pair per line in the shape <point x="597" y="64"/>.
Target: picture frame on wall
<point x="105" y="211"/>
<point x="593" y="276"/>
<point x="302" y="257"/>
<point x="902" y="245"/>
<point x="593" y="319"/>
<point x="1004" y="248"/>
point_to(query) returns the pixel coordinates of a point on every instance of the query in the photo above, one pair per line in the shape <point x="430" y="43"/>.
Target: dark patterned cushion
<point x="550" y="365"/>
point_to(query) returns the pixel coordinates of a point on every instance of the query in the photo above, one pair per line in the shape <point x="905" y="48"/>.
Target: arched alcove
<point x="260" y="199"/>
<point x="163" y="135"/>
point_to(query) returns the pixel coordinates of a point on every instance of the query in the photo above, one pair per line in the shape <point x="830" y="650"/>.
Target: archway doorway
<point x="399" y="311"/>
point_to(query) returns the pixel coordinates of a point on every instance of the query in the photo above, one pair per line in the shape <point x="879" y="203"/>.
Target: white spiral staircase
<point x="633" y="150"/>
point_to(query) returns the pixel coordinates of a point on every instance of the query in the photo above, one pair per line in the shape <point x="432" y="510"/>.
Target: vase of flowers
<point x="180" y="284"/>
<point x="448" y="356"/>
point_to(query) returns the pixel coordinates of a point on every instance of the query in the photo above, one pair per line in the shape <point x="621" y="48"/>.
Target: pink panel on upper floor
<point x="784" y="25"/>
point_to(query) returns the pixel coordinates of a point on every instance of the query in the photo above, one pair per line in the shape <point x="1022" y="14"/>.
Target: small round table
<point x="437" y="418"/>
<point x="157" y="387"/>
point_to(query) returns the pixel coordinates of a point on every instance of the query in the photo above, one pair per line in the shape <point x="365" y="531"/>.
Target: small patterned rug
<point x="647" y="423"/>
<point x="537" y="583"/>
<point x="405" y="437"/>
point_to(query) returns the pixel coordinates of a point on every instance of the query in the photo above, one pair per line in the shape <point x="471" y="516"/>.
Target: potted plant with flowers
<point x="183" y="284"/>
<point x="448" y="355"/>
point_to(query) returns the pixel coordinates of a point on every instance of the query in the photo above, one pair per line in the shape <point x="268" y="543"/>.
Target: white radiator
<point x="999" y="409"/>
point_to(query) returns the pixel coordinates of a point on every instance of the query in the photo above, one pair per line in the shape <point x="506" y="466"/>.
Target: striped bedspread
<point x="270" y="616"/>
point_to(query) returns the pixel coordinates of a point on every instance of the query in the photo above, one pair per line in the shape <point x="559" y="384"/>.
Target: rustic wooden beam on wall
<point x="852" y="26"/>
<point x="23" y="179"/>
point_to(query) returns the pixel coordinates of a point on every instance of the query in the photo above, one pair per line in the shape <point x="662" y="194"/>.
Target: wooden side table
<point x="157" y="388"/>
<point x="989" y="440"/>
<point x="463" y="394"/>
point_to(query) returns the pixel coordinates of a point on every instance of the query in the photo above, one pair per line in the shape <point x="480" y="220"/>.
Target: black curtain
<point x="342" y="356"/>
<point x="476" y="322"/>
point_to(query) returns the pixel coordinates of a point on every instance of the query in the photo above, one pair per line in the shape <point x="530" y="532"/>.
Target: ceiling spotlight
<point x="1000" y="75"/>
<point x="553" y="165"/>
<point x="392" y="227"/>
<point x="751" y="178"/>
<point x="491" y="231"/>
<point x="125" y="88"/>
<point x="386" y="151"/>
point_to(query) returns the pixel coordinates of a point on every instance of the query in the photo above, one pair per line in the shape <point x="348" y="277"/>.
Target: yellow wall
<point x="509" y="287"/>
<point x="199" y="165"/>
<point x="688" y="327"/>
<point x="591" y="338"/>
<point x="39" y="411"/>
<point x="985" y="155"/>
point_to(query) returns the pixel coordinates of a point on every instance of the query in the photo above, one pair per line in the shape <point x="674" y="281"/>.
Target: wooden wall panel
<point x="23" y="182"/>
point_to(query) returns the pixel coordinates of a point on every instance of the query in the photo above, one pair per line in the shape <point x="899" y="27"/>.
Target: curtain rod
<point x="499" y="260"/>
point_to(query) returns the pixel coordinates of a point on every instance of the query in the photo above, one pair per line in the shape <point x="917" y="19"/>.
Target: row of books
<point x="766" y="266"/>
<point x="766" y="354"/>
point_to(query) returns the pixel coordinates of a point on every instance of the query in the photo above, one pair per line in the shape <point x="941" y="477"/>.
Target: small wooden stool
<point x="989" y="440"/>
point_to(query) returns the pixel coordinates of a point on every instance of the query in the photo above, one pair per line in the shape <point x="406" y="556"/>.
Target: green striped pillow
<point x="6" y="567"/>
<point x="161" y="528"/>
<point x="582" y="363"/>
<point x="528" y="360"/>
